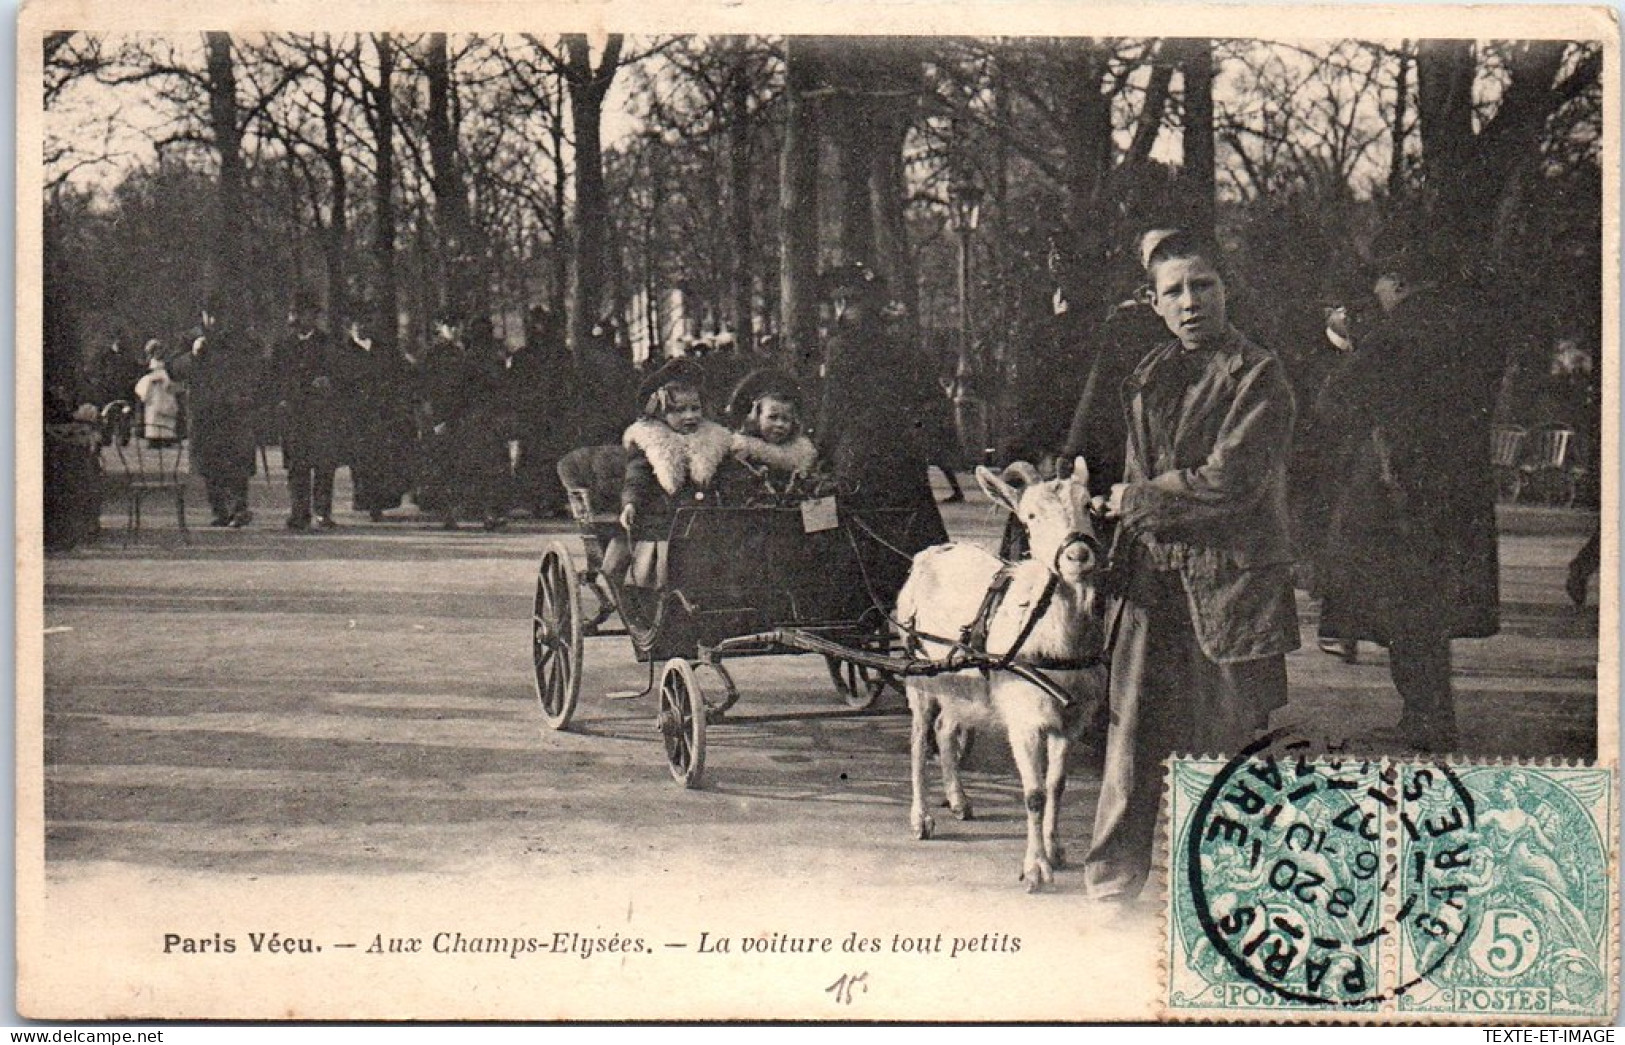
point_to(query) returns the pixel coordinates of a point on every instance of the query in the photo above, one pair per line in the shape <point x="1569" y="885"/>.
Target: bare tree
<point x="592" y="290"/>
<point x="798" y="206"/>
<point x="463" y="293"/>
<point x="379" y="107"/>
<point x="230" y="277"/>
<point x="1197" y="171"/>
<point x="1476" y="165"/>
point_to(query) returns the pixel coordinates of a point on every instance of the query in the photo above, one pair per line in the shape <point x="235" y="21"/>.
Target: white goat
<point x="1058" y="633"/>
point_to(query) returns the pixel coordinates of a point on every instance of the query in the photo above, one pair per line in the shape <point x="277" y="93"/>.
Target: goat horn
<point x="1019" y="474"/>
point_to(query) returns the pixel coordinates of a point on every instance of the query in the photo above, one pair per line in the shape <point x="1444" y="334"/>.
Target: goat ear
<point x="1080" y="471"/>
<point x="997" y="490"/>
<point x="1020" y="474"/>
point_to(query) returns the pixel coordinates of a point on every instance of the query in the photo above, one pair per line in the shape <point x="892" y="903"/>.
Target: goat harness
<point x="971" y="647"/>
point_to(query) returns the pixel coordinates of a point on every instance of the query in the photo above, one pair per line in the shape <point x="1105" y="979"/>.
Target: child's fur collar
<point x="677" y="459"/>
<point x="798" y="455"/>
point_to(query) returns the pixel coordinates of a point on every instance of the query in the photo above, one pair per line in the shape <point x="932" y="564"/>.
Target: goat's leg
<point x="950" y="748"/>
<point x="921" y="705"/>
<point x="1029" y="748"/>
<point x="1054" y="788"/>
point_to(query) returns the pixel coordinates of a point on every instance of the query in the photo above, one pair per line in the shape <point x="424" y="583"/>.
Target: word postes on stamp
<point x="1356" y="889"/>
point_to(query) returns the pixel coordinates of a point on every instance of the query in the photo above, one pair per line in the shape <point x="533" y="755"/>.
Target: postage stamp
<point x="1313" y="886"/>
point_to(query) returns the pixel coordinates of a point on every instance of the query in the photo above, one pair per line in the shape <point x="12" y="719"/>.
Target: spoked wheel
<point x="682" y="722"/>
<point x="860" y="686"/>
<point x="556" y="637"/>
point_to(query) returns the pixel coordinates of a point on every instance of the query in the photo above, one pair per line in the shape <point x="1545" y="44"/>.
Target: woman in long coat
<point x="224" y="377"/>
<point x="1409" y="558"/>
<point x="383" y="441"/>
<point x="877" y="396"/>
<point x="465" y="452"/>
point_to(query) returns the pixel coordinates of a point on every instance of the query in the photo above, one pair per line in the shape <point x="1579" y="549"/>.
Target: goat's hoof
<point x="1057" y="857"/>
<point x="962" y="811"/>
<point x="1036" y="876"/>
<point x="924" y="827"/>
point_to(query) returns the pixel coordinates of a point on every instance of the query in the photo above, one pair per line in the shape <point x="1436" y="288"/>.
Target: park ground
<point x="340" y="727"/>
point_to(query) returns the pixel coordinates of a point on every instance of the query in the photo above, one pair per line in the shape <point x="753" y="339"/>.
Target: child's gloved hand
<point x="627" y="515"/>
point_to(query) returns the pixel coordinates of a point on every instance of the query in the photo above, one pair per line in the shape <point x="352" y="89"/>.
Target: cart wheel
<point x="682" y="722"/>
<point x="556" y="637"/>
<point x="858" y="685"/>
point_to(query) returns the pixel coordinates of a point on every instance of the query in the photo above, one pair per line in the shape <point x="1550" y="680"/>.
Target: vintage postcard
<point x="839" y="512"/>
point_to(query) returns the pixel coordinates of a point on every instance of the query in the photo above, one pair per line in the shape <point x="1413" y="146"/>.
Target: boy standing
<point x="1201" y="629"/>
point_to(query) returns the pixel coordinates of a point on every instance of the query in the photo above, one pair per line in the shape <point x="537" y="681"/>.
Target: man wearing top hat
<point x="312" y="403"/>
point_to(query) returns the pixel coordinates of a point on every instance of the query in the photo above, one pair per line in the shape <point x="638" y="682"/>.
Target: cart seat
<point x="592" y="478"/>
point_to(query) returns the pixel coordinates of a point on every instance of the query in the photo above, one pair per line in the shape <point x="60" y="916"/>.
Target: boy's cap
<point x="1149" y="242"/>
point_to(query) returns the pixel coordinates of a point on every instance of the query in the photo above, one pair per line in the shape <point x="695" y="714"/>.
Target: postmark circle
<point x="1300" y="868"/>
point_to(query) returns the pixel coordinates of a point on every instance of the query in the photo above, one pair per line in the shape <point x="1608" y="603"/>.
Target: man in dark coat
<point x="313" y="394"/>
<point x="1206" y="614"/>
<point x="223" y="381"/>
<point x="115" y="371"/>
<point x="538" y="385"/>
<point x="1409" y="558"/>
<point x="876" y="393"/>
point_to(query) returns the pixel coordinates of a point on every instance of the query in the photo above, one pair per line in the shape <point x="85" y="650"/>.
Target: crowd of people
<point x="470" y="427"/>
<point x="1225" y="479"/>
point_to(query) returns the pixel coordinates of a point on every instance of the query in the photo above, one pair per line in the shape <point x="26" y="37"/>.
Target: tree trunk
<point x="459" y="295"/>
<point x="739" y="150"/>
<point x="798" y="209"/>
<point x="338" y="305"/>
<point x="853" y="151"/>
<point x="387" y="307"/>
<point x="230" y="290"/>
<point x="1197" y="172"/>
<point x="1085" y="112"/>
<point x="888" y="192"/>
<point x="559" y="296"/>
<point x="591" y="292"/>
<point x="1444" y="96"/>
<point x="1396" y="133"/>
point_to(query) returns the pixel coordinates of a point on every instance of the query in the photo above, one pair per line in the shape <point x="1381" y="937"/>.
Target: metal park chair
<point x="148" y="463"/>
<point x="1548" y="464"/>
<point x="1506" y="454"/>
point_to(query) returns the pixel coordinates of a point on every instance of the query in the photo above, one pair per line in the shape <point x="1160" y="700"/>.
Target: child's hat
<point x="759" y="383"/>
<point x="680" y="370"/>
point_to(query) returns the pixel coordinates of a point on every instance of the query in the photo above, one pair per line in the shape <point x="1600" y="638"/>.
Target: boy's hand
<point x="628" y="513"/>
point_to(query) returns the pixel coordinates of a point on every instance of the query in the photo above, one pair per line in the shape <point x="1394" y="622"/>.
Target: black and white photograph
<point x="726" y="511"/>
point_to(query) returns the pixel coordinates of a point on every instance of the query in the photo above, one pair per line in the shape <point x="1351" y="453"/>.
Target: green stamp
<point x="1312" y="885"/>
<point x="1541" y="898"/>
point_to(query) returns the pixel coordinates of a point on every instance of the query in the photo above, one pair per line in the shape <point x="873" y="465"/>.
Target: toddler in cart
<point x="675" y="458"/>
<point x="778" y="457"/>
